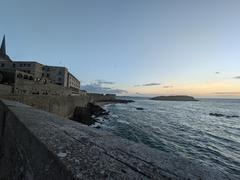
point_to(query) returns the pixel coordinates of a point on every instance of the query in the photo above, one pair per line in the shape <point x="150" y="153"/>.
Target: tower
<point x="3" y="46"/>
<point x="3" y="54"/>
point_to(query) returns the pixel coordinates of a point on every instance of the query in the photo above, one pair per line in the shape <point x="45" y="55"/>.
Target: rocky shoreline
<point x="87" y="115"/>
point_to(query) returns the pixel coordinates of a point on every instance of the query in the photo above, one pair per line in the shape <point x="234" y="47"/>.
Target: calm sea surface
<point x="183" y="128"/>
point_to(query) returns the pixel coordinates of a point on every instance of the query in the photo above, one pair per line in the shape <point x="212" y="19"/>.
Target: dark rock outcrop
<point x="139" y="108"/>
<point x="174" y="98"/>
<point x="123" y="101"/>
<point x="85" y="115"/>
<point x="234" y="116"/>
<point x="222" y="115"/>
<point x="216" y="114"/>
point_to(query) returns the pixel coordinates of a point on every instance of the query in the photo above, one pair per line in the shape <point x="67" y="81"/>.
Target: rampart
<point x="35" y="144"/>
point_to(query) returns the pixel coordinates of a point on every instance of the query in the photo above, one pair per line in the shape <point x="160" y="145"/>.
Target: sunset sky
<point x="132" y="47"/>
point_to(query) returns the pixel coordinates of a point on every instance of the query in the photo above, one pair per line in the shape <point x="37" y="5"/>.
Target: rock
<point x="123" y="101"/>
<point x="234" y="116"/>
<point x="216" y="114"/>
<point x="85" y="115"/>
<point x="96" y="110"/>
<point x="139" y="108"/>
<point x="174" y="98"/>
<point x="222" y="115"/>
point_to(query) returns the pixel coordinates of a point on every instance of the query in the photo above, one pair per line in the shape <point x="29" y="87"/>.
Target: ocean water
<point x="182" y="128"/>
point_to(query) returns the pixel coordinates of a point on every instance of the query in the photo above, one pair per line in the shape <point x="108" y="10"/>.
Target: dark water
<point x="183" y="128"/>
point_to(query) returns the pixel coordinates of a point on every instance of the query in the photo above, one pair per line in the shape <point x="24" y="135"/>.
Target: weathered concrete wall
<point x="38" y="145"/>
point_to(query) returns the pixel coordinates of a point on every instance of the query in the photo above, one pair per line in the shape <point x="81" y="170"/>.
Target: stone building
<point x="57" y="75"/>
<point x="61" y="76"/>
<point x="30" y="67"/>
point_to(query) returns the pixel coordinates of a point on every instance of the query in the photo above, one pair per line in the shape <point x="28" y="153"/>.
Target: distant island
<point x="174" y="98"/>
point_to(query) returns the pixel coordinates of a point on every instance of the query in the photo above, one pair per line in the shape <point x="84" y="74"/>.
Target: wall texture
<point x="5" y="89"/>
<point x="35" y="144"/>
<point x="61" y="105"/>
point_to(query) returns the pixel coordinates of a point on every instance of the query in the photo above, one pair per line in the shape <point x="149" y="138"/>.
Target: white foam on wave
<point x="114" y="116"/>
<point x="124" y="122"/>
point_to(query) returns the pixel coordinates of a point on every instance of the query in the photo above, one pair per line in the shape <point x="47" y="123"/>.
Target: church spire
<point x="3" y="53"/>
<point x="3" y="46"/>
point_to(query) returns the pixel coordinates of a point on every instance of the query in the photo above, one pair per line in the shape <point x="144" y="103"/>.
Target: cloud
<point x="98" y="87"/>
<point x="237" y="77"/>
<point x="227" y="93"/>
<point x="167" y="86"/>
<point x="217" y="72"/>
<point x="104" y="82"/>
<point x="149" y="84"/>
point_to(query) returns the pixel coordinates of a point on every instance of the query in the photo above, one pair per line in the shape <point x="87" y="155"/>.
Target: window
<point x="19" y="75"/>
<point x="29" y="65"/>
<point x="2" y="65"/>
<point x="47" y="75"/>
<point x="59" y="79"/>
<point x="59" y="72"/>
<point x="14" y="65"/>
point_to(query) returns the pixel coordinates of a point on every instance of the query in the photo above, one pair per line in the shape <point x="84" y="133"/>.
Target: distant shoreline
<point x="174" y="98"/>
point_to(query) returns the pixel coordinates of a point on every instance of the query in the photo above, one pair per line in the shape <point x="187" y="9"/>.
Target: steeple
<point x="3" y="54"/>
<point x="3" y="46"/>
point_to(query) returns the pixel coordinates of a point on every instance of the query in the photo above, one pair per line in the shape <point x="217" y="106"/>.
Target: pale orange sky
<point x="220" y="88"/>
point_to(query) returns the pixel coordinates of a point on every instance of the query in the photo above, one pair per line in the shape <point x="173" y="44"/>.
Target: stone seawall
<point x="61" y="105"/>
<point x="35" y="144"/>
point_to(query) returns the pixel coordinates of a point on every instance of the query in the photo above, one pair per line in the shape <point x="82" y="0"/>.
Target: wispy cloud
<point x="217" y="72"/>
<point x="98" y="87"/>
<point x="237" y="77"/>
<point x="148" y="84"/>
<point x="227" y="93"/>
<point x="167" y="87"/>
<point x="104" y="82"/>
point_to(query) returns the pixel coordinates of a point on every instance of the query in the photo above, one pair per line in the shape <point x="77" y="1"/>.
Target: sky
<point x="132" y="47"/>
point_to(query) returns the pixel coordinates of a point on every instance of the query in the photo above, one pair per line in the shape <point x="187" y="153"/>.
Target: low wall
<point x="35" y="144"/>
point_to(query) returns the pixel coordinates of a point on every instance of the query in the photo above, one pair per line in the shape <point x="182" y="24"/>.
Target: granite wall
<point x="61" y="105"/>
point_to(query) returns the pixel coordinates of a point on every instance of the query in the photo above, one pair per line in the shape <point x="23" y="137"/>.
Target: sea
<point x="184" y="129"/>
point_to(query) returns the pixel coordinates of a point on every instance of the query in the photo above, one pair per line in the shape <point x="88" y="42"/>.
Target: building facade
<point x="73" y="83"/>
<point x="56" y="75"/>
